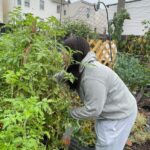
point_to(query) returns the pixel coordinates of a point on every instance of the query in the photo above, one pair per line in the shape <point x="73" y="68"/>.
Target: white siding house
<point x="84" y="11"/>
<point x="79" y="10"/>
<point x="139" y="11"/>
<point x="1" y="11"/>
<point x="41" y="8"/>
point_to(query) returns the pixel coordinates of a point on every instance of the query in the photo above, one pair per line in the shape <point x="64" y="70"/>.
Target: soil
<point x="145" y="146"/>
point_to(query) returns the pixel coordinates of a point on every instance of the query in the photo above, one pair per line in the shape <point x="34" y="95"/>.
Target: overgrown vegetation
<point x="135" y="75"/>
<point x="32" y="104"/>
<point x="139" y="134"/>
<point x="146" y="24"/>
<point x="22" y="123"/>
<point x="138" y="45"/>
<point x="135" y="45"/>
<point x="117" y="25"/>
<point x="34" y="108"/>
<point x="77" y="28"/>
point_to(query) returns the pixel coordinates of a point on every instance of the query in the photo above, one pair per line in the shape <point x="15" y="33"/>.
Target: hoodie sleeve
<point x="94" y="100"/>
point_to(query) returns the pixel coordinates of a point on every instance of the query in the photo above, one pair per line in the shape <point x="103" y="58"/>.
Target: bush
<point x="77" y="28"/>
<point x="32" y="104"/>
<point x="135" y="75"/>
<point x="23" y="123"/>
<point x="117" y="25"/>
<point x="137" y="45"/>
<point x="147" y="36"/>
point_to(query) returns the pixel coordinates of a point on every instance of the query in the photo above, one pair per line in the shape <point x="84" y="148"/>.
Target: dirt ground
<point x="145" y="146"/>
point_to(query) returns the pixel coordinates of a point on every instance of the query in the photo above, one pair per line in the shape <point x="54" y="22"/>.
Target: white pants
<point x="113" y="134"/>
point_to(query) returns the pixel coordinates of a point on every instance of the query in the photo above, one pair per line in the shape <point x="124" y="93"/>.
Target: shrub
<point x="117" y="25"/>
<point x="77" y="28"/>
<point x="135" y="75"/>
<point x="137" y="45"/>
<point x="33" y="104"/>
<point x="23" y="123"/>
<point x="147" y="36"/>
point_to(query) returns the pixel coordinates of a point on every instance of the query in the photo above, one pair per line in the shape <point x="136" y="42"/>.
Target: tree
<point x="121" y="5"/>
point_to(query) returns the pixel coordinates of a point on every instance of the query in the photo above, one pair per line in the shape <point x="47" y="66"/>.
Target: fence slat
<point x="102" y="50"/>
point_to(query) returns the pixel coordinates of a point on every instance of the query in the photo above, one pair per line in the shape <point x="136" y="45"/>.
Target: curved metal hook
<point x="97" y="7"/>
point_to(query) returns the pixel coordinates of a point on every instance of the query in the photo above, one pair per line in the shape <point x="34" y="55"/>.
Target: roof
<point x="60" y="1"/>
<point x="125" y="2"/>
<point x="85" y="2"/>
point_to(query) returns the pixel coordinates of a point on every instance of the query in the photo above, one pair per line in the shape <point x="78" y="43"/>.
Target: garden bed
<point x="145" y="146"/>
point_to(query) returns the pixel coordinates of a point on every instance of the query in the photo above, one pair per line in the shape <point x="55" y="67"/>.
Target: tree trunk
<point x="121" y="5"/>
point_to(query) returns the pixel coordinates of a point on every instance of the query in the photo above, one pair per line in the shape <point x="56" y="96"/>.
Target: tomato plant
<point x="34" y="107"/>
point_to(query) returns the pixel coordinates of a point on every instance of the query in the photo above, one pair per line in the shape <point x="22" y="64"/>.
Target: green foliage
<point x="23" y="123"/>
<point x="131" y="71"/>
<point x="138" y="45"/>
<point x="135" y="45"/>
<point x="139" y="134"/>
<point x="146" y="24"/>
<point x="117" y="24"/>
<point x="77" y="28"/>
<point x="147" y="35"/>
<point x="33" y="104"/>
<point x="86" y="135"/>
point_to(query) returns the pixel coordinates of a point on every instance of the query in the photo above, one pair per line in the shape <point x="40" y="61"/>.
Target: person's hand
<point x="59" y="76"/>
<point x="66" y="140"/>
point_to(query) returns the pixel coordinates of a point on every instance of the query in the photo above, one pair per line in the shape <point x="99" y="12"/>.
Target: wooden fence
<point x="104" y="53"/>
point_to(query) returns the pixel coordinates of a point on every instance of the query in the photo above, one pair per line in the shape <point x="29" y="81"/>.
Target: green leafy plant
<point x="34" y="107"/>
<point x="139" y="135"/>
<point x="117" y="24"/>
<point x="146" y="24"/>
<point x="131" y="71"/>
<point x="86" y="134"/>
<point x="77" y="28"/>
<point x="22" y="123"/>
<point x="134" y="45"/>
<point x="138" y="45"/>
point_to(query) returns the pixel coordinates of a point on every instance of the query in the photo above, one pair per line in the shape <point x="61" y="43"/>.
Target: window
<point x="19" y="2"/>
<point x="65" y="12"/>
<point x="58" y="9"/>
<point x="27" y="3"/>
<point x="41" y="4"/>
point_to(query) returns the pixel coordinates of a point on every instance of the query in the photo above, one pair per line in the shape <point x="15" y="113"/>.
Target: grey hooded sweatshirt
<point x="104" y="94"/>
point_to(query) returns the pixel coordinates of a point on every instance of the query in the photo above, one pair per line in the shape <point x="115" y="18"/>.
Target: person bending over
<point x="106" y="98"/>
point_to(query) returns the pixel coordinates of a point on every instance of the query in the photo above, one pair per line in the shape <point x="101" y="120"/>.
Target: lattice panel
<point x="103" y="53"/>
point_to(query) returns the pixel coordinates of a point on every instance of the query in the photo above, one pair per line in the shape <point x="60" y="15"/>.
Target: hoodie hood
<point x="90" y="57"/>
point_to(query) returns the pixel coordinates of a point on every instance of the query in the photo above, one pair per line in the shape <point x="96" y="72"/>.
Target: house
<point x="1" y="12"/>
<point x="82" y="10"/>
<point x="41" y="8"/>
<point x="139" y="11"/>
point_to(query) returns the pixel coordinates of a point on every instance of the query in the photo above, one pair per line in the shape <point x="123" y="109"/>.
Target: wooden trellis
<point x="102" y="50"/>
